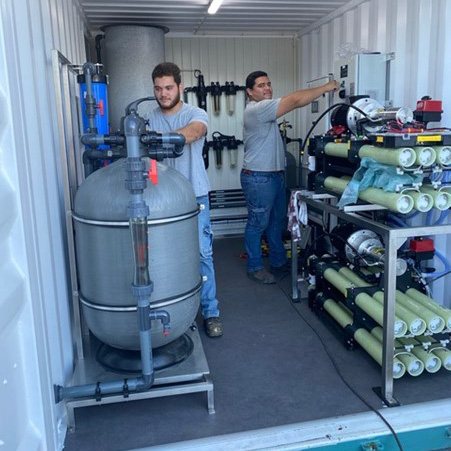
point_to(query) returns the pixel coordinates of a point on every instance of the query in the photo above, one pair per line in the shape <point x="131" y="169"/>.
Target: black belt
<point x="249" y="172"/>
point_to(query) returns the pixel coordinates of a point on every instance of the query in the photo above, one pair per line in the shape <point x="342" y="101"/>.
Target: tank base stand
<point x="126" y="361"/>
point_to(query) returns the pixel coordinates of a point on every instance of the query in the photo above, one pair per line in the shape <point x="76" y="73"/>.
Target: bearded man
<point x="172" y="115"/>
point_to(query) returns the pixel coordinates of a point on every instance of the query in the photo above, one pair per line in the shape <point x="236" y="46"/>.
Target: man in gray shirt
<point x="173" y="115"/>
<point x="263" y="173"/>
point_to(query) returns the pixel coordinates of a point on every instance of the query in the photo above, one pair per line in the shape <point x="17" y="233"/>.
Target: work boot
<point x="261" y="276"/>
<point x="213" y="327"/>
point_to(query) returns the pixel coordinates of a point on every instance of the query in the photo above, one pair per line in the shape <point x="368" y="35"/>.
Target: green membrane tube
<point x="337" y="312"/>
<point x="431" y="305"/>
<point x="413" y="364"/>
<point x="397" y="202"/>
<point x="335" y="184"/>
<point x="338" y="281"/>
<point x="368" y="342"/>
<point x="353" y="277"/>
<point x="431" y="362"/>
<point x="425" y="156"/>
<point x="337" y="149"/>
<point x="364" y="301"/>
<point x="415" y="325"/>
<point x="444" y="355"/>
<point x="435" y="323"/>
<point x="404" y="156"/>
<point x="443" y="155"/>
<point x="423" y="202"/>
<point x="371" y="344"/>
<point x="378" y="333"/>
<point x="442" y="199"/>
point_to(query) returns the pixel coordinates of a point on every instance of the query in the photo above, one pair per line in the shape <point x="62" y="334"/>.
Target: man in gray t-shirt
<point x="172" y="115"/>
<point x="262" y="176"/>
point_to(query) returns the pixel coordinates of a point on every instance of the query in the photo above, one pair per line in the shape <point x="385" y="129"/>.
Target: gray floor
<point x="276" y="364"/>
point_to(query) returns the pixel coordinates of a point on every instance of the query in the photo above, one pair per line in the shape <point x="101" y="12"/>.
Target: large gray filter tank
<point x="130" y="54"/>
<point x="105" y="255"/>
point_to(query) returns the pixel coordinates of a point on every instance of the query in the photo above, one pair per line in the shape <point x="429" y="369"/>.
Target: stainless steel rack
<point x="393" y="239"/>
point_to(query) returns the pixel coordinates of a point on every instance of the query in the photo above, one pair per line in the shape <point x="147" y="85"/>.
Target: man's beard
<point x="171" y="105"/>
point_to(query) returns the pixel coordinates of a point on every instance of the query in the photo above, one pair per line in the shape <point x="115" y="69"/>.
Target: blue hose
<point x="445" y="262"/>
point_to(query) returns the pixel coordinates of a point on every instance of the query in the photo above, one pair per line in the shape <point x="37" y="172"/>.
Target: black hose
<point x="324" y="113"/>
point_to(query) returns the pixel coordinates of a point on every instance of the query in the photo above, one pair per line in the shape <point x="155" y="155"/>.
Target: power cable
<point x="337" y="369"/>
<point x="336" y="105"/>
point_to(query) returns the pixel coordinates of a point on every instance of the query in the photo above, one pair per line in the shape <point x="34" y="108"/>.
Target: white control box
<point x="365" y="74"/>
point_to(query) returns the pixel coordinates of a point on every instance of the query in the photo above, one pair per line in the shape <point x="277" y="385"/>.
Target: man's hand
<point x="332" y="85"/>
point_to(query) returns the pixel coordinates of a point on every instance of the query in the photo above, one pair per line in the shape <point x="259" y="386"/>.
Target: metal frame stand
<point x="393" y="239"/>
<point x="190" y="376"/>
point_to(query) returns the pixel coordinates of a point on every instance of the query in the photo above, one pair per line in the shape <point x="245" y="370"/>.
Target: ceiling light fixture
<point x="214" y="6"/>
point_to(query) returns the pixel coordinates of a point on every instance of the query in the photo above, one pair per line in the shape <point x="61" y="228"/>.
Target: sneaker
<point x="213" y="327"/>
<point x="261" y="276"/>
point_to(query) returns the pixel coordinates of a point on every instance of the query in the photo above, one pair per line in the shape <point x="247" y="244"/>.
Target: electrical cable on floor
<point x="337" y="369"/>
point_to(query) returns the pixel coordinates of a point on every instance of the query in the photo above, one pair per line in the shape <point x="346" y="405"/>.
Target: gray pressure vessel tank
<point x="105" y="255"/>
<point x="130" y="54"/>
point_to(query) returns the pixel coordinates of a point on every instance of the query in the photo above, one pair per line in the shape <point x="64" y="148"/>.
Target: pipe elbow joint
<point x="89" y="68"/>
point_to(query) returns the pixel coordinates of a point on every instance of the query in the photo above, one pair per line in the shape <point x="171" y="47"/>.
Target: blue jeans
<point x="266" y="210"/>
<point x="208" y="301"/>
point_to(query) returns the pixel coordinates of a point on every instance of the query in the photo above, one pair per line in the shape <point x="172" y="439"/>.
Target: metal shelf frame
<point x="393" y="239"/>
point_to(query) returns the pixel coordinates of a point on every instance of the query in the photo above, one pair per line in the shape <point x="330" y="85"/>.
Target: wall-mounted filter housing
<point x="100" y="94"/>
<point x="105" y="255"/>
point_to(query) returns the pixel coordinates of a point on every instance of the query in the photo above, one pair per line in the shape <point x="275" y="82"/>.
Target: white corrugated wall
<point x="417" y="31"/>
<point x="35" y="340"/>
<point x="232" y="59"/>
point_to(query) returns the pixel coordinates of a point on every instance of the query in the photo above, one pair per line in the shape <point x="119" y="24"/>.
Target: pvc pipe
<point x="435" y="323"/>
<point x="368" y="342"/>
<point x="442" y="199"/>
<point x="422" y="201"/>
<point x="425" y="156"/>
<point x="404" y="156"/>
<point x="431" y="305"/>
<point x="364" y="301"/>
<point x="415" y="325"/>
<point x="397" y="202"/>
<point x="141" y="287"/>
<point x="443" y="155"/>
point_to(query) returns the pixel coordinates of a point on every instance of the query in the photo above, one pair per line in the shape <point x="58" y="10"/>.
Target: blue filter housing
<point x="100" y="93"/>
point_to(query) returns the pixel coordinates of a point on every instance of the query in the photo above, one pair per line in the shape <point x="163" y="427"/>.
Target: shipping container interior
<point x="293" y="370"/>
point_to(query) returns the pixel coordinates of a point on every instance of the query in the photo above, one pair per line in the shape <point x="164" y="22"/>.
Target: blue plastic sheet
<point x="372" y="174"/>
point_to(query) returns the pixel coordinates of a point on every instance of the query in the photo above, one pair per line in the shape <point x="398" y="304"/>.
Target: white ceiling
<point x="235" y="17"/>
